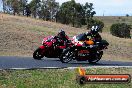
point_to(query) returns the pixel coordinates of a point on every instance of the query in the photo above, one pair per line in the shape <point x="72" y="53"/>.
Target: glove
<point x="91" y="46"/>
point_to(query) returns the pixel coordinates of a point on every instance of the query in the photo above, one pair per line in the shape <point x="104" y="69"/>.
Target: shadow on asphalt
<point x="95" y="64"/>
<point x="86" y="63"/>
<point x="83" y="63"/>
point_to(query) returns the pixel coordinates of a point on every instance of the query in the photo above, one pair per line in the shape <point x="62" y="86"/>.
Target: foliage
<point x="127" y="15"/>
<point x="34" y="6"/>
<point x="14" y="6"/>
<point x="89" y="13"/>
<point x="121" y="30"/>
<point x="75" y="13"/>
<point x="69" y="12"/>
<point x="49" y="9"/>
<point x="23" y="4"/>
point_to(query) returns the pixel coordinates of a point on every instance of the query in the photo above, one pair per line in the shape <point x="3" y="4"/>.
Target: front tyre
<point x="95" y="57"/>
<point x="66" y="56"/>
<point x="38" y="54"/>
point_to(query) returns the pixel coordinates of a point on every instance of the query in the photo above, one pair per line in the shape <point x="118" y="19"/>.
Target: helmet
<point x="94" y="29"/>
<point x="61" y="34"/>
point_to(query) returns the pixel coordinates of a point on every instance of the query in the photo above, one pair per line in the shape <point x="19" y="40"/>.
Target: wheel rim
<point x="38" y="54"/>
<point x="67" y="57"/>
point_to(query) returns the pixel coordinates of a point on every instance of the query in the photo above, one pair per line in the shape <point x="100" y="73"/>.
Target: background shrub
<point x="121" y="30"/>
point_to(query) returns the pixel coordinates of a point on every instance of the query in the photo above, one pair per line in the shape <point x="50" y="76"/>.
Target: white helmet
<point x="95" y="29"/>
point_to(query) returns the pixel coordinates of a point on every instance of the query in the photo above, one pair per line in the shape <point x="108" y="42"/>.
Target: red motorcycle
<point x="84" y="50"/>
<point x="51" y="47"/>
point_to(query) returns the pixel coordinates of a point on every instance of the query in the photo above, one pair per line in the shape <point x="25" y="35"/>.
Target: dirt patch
<point x="119" y="48"/>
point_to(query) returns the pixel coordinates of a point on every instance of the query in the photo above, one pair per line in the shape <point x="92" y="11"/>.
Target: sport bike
<point x="51" y="47"/>
<point x="83" y="50"/>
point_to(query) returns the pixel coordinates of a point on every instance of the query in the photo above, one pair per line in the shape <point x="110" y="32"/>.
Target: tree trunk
<point x="3" y="6"/>
<point x="23" y="11"/>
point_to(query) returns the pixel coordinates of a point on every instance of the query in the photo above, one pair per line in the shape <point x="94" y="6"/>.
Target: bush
<point x="127" y="15"/>
<point x="78" y="24"/>
<point x="121" y="30"/>
<point x="90" y="23"/>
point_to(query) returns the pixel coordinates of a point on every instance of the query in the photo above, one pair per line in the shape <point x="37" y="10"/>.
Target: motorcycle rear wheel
<point x="37" y="54"/>
<point x="66" y="56"/>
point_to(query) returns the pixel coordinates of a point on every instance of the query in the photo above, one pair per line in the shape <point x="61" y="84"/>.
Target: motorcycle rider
<point x="94" y="34"/>
<point x="92" y="38"/>
<point x="62" y="37"/>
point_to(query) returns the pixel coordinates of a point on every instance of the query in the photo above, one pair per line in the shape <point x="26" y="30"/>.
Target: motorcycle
<point x="51" y="47"/>
<point x="84" y="50"/>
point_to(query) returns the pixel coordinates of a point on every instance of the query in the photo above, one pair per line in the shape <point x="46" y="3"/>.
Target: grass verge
<point x="56" y="78"/>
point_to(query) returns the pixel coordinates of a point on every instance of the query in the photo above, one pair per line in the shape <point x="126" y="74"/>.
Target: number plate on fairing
<point x="83" y="53"/>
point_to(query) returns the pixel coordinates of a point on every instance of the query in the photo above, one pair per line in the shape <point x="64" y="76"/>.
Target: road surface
<point x="7" y="62"/>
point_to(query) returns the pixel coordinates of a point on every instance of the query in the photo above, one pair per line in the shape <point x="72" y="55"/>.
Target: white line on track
<point x="68" y="67"/>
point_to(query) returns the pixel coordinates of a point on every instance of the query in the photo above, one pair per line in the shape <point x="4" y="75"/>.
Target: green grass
<point x="56" y="78"/>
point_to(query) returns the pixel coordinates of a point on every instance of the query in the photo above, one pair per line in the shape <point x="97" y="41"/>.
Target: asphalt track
<point x="7" y="62"/>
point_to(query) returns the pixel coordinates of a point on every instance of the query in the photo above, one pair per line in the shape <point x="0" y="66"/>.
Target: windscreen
<point x="49" y="39"/>
<point x="81" y="37"/>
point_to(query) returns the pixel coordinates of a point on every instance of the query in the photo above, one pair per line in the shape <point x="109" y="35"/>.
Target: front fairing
<point x="48" y="41"/>
<point x="78" y="40"/>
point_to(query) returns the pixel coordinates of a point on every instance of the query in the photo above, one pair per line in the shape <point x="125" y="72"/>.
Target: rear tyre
<point x="96" y="57"/>
<point x="66" y="56"/>
<point x="38" y="54"/>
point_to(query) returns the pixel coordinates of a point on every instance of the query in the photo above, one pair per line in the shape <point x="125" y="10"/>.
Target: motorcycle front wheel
<point x="66" y="56"/>
<point x="38" y="54"/>
<point x="96" y="57"/>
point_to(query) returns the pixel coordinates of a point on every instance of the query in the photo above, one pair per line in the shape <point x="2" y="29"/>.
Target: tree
<point x="13" y="5"/>
<point x="127" y="15"/>
<point x="63" y="15"/>
<point x="27" y="11"/>
<point x="89" y="13"/>
<point x="7" y="7"/>
<point x="3" y="2"/>
<point x="75" y="13"/>
<point x="49" y="9"/>
<point x="23" y="4"/>
<point x="35" y="7"/>
<point x="70" y="12"/>
<point x="79" y="15"/>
